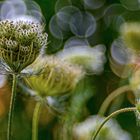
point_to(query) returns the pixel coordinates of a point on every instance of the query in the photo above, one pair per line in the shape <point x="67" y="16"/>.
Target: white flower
<point x="111" y="130"/>
<point x="90" y="58"/>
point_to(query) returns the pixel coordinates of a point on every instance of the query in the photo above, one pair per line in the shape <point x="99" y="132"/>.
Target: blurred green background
<point x="90" y="93"/>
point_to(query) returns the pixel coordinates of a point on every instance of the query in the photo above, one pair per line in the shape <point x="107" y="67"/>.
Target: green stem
<point x="111" y="116"/>
<point x="11" y="109"/>
<point x="35" y="120"/>
<point x="111" y="97"/>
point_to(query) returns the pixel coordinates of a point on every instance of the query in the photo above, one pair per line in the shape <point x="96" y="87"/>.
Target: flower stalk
<point x="35" y="120"/>
<point x="11" y="109"/>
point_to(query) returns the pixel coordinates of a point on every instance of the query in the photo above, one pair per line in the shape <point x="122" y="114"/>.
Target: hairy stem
<point x="11" y="108"/>
<point x="111" y="97"/>
<point x="35" y="120"/>
<point x="111" y="116"/>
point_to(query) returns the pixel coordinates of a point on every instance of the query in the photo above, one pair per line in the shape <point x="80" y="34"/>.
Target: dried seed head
<point x="20" y="43"/>
<point x="57" y="77"/>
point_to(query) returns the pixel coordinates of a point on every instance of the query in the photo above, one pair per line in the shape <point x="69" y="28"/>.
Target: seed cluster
<point x="20" y="43"/>
<point x="57" y="77"/>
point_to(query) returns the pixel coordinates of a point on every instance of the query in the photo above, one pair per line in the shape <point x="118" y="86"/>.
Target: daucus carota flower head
<point x="56" y="77"/>
<point x="130" y="33"/>
<point x="111" y="131"/>
<point x="20" y="43"/>
<point x="92" y="59"/>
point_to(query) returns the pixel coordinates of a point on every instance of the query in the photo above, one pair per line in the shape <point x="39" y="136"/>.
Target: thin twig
<point x="111" y="97"/>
